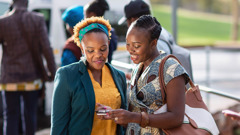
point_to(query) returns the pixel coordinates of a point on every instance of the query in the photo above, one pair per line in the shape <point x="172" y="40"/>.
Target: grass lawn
<point x="195" y="28"/>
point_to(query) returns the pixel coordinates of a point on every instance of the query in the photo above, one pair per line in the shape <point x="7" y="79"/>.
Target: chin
<point x="136" y="62"/>
<point x="99" y="66"/>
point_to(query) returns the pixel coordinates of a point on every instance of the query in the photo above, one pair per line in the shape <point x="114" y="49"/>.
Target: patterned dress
<point x="152" y="98"/>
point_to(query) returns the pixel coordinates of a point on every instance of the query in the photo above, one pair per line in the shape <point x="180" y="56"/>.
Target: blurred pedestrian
<point x="71" y="52"/>
<point x="79" y="87"/>
<point x="24" y="40"/>
<point x="133" y="10"/>
<point x="98" y="8"/>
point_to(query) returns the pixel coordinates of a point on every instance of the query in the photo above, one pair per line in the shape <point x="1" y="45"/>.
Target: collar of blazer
<point x="85" y="78"/>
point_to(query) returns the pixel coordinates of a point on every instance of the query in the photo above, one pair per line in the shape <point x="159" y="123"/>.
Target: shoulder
<point x="173" y="69"/>
<point x="36" y="16"/>
<point x="112" y="31"/>
<point x="5" y="17"/>
<point x="171" y="64"/>
<point x="70" y="69"/>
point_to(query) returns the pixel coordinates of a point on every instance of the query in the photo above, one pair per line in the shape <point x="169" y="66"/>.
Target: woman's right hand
<point x="101" y="108"/>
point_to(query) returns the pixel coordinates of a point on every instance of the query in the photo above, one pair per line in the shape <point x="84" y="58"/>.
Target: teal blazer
<point x="73" y="104"/>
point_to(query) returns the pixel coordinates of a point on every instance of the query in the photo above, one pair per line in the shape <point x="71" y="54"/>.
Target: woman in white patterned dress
<point x="144" y="94"/>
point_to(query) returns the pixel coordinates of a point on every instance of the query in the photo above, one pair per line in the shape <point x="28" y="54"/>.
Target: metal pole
<point x="207" y="48"/>
<point x="174" y="4"/>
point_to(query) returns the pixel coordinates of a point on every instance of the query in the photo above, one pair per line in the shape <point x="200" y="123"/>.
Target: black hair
<point x="98" y="7"/>
<point x="140" y="14"/>
<point x="150" y="24"/>
<point x="18" y="2"/>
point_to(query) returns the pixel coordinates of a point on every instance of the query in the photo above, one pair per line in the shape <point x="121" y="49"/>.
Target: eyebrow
<point x="93" y="47"/>
<point x="136" y="42"/>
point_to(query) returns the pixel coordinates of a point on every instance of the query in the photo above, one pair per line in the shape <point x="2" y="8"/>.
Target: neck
<point x="95" y="72"/>
<point x="150" y="59"/>
<point x="97" y="75"/>
<point x="19" y="7"/>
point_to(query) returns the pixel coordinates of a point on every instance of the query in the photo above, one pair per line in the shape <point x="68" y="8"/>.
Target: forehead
<point x="138" y="33"/>
<point x="91" y="38"/>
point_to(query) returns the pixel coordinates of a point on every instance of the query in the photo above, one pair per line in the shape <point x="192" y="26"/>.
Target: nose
<point x="99" y="54"/>
<point x="130" y="48"/>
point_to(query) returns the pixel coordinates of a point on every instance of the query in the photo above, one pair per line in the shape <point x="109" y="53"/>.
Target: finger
<point x="99" y="116"/>
<point x="100" y="105"/>
<point x="97" y="104"/>
<point x="107" y="117"/>
<point x="116" y="111"/>
<point x="116" y="120"/>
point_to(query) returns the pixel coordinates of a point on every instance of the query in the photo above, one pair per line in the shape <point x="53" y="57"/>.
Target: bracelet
<point x="144" y="120"/>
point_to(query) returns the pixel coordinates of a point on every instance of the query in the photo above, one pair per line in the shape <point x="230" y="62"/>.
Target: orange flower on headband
<point x="87" y="22"/>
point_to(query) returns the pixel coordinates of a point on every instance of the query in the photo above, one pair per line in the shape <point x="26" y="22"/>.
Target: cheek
<point x="105" y="53"/>
<point x="88" y="55"/>
<point x="141" y="51"/>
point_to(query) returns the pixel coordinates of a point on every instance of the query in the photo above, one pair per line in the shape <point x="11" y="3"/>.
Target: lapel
<point x="88" y="87"/>
<point x="120" y="86"/>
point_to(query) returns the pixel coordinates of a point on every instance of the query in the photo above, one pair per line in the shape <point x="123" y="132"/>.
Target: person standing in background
<point x="98" y="8"/>
<point x="71" y="52"/>
<point x="22" y="70"/>
<point x="133" y="10"/>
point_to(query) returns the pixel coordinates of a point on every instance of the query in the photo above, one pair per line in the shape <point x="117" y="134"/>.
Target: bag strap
<point x="38" y="62"/>
<point x="161" y="76"/>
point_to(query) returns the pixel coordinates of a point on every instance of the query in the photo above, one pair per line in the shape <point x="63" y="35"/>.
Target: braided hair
<point x="98" y="7"/>
<point x="150" y="24"/>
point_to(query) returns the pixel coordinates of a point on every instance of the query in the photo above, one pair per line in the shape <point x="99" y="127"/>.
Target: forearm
<point x="165" y="120"/>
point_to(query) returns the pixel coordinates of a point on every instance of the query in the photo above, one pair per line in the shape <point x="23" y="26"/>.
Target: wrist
<point x="136" y="118"/>
<point x="144" y="119"/>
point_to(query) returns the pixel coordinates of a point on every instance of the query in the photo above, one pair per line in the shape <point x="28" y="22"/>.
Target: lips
<point x="99" y="61"/>
<point x="134" y="57"/>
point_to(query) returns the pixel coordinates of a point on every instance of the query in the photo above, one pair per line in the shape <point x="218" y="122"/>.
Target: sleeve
<point x="61" y="104"/>
<point x="173" y="69"/>
<point x="45" y="47"/>
<point x="68" y="57"/>
<point x="114" y="40"/>
<point x="112" y="45"/>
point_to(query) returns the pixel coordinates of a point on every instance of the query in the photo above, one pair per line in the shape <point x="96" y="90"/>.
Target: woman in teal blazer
<point x="73" y="105"/>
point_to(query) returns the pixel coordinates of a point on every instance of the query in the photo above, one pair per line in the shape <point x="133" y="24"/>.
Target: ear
<point x="81" y="47"/>
<point x="90" y="14"/>
<point x="133" y="19"/>
<point x="154" y="43"/>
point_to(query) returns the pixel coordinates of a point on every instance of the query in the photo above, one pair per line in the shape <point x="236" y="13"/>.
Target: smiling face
<point x="95" y="48"/>
<point x="139" y="45"/>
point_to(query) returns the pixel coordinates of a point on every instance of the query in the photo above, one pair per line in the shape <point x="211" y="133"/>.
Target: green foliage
<point x="211" y="6"/>
<point x="195" y="29"/>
